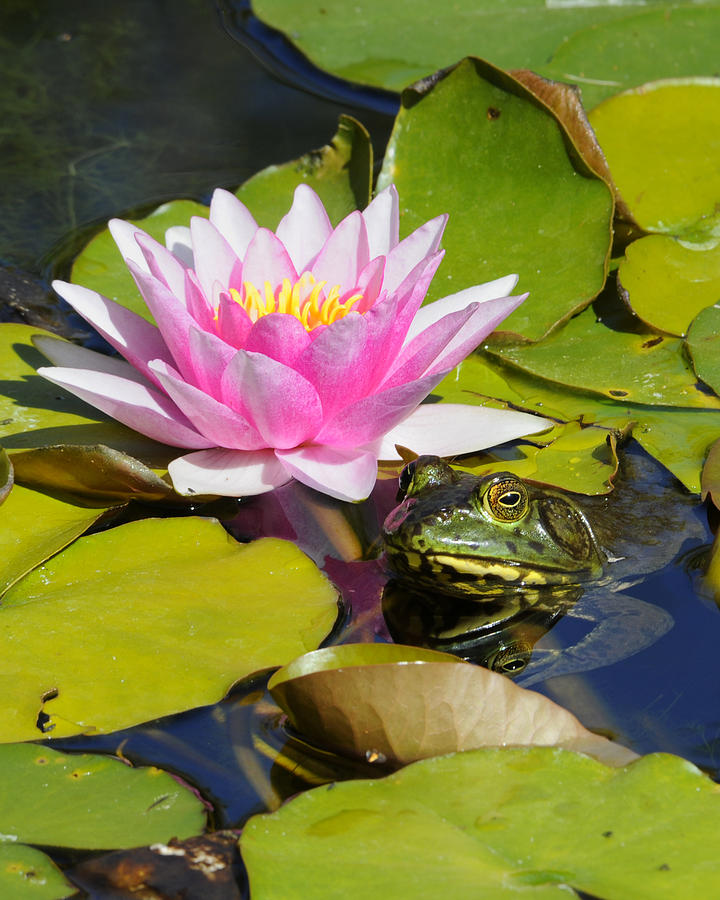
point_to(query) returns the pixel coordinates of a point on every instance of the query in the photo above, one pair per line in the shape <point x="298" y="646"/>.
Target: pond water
<point x="113" y="109"/>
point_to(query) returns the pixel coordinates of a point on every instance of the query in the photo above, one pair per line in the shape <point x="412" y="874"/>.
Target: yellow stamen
<point x="306" y="300"/>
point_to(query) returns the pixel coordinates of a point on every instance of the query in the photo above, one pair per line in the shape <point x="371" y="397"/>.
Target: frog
<point x="475" y="536"/>
<point x="485" y="552"/>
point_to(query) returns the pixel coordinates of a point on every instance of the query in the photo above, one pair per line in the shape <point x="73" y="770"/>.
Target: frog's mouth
<point x="467" y="571"/>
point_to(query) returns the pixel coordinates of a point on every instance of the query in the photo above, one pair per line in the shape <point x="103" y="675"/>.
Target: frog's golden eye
<point x="506" y="500"/>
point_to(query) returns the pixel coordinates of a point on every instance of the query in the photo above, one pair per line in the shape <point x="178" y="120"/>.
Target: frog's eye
<point x="506" y="499"/>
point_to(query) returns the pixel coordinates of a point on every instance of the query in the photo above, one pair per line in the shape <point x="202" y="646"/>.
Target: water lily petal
<point x="484" y="320"/>
<point x="334" y="363"/>
<point x="71" y="356"/>
<point x="369" y="282"/>
<point x="233" y="220"/>
<point x="279" y="336"/>
<point x="371" y="417"/>
<point x="178" y="240"/>
<point x="448" y="429"/>
<point x="228" y="473"/>
<point x="422" y="243"/>
<point x="479" y="293"/>
<point x="233" y="322"/>
<point x="267" y="260"/>
<point x="215" y="261"/>
<point x="173" y="320"/>
<point x="420" y="354"/>
<point x="220" y="425"/>
<point x="305" y="228"/>
<point x="161" y="264"/>
<point x="344" y="255"/>
<point x="382" y="219"/>
<point x="123" y="233"/>
<point x="344" y="473"/>
<point x="283" y="406"/>
<point x="130" y="334"/>
<point x="197" y="303"/>
<point x="135" y="405"/>
<point x="209" y="357"/>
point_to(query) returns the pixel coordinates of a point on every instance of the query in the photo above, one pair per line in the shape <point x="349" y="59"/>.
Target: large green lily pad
<point x="28" y="874"/>
<point x="520" y="198"/>
<point x="662" y="141"/>
<point x="151" y="618"/>
<point x="638" y="368"/>
<point x="667" y="283"/>
<point x="390" y="43"/>
<point x="33" y="527"/>
<point x="340" y="172"/>
<point x="678" y="438"/>
<point x="495" y="823"/>
<point x="90" y="802"/>
<point x="703" y="343"/>
<point x="613" y="55"/>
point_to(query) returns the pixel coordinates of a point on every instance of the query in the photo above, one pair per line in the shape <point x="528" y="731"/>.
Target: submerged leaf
<point x="151" y="618"/>
<point x="403" y="703"/>
<point x="533" y="821"/>
<point x="519" y="196"/>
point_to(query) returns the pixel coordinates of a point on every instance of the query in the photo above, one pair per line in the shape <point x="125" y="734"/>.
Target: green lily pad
<point x="703" y="343"/>
<point x="678" y="438"/>
<point x="28" y="874"/>
<point x="662" y="141"/>
<point x="667" y="283"/>
<point x="580" y="459"/>
<point x="533" y="821"/>
<point x="90" y="802"/>
<point x="663" y="42"/>
<point x="710" y="483"/>
<point x="519" y="200"/>
<point x="340" y="173"/>
<point x="33" y="527"/>
<point x="36" y="413"/>
<point x="151" y="618"/>
<point x="404" y="703"/>
<point x="637" y="368"/>
<point x="390" y="43"/>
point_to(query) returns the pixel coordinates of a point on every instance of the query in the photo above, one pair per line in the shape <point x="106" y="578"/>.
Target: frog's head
<point x="463" y="534"/>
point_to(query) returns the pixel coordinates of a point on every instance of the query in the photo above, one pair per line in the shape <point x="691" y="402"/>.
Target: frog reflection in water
<point x="511" y="554"/>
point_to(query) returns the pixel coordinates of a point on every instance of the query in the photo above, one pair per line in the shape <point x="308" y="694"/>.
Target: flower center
<point x="306" y="300"/>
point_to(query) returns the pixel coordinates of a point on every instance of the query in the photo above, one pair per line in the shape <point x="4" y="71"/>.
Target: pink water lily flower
<point x="302" y="353"/>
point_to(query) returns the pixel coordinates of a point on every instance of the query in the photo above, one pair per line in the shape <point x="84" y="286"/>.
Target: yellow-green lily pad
<point x="678" y="438"/>
<point x="33" y="527"/>
<point x="703" y="343"/>
<point x="497" y="823"/>
<point x="340" y="172"/>
<point x="28" y="874"/>
<point x="710" y="482"/>
<point x="667" y="282"/>
<point x="148" y="619"/>
<point x="6" y="475"/>
<point x="662" y="142"/>
<point x="519" y="196"/>
<point x="638" y="368"/>
<point x="90" y="802"/>
<point x="405" y="703"/>
<point x="661" y="42"/>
